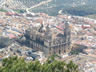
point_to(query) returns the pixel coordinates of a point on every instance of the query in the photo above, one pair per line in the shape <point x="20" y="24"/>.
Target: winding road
<point x="27" y="9"/>
<point x="39" y="4"/>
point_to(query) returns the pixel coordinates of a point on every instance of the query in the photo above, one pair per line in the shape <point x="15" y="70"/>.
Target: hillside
<point x="73" y="7"/>
<point x="52" y="7"/>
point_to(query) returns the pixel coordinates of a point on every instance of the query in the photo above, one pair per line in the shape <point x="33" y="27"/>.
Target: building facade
<point x="46" y="40"/>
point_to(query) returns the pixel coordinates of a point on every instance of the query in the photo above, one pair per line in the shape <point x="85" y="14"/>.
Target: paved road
<point x="37" y="5"/>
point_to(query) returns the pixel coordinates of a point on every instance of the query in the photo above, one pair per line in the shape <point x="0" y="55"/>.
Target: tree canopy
<point x="15" y="64"/>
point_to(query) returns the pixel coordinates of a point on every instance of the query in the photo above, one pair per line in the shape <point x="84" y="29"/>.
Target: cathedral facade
<point x="48" y="41"/>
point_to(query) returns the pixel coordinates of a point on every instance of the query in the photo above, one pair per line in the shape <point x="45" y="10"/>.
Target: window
<point x="59" y="51"/>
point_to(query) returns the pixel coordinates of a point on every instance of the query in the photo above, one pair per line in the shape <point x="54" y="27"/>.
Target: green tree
<point x="71" y="67"/>
<point x="34" y="66"/>
<point x="15" y="64"/>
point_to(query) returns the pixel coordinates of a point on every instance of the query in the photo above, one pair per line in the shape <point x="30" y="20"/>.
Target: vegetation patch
<point x="3" y="10"/>
<point x="20" y="10"/>
<point x="15" y="64"/>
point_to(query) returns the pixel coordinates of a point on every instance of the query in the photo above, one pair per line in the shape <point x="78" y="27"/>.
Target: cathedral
<point x="48" y="40"/>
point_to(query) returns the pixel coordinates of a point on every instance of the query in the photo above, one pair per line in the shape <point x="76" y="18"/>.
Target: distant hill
<point x="19" y="4"/>
<point x="73" y="7"/>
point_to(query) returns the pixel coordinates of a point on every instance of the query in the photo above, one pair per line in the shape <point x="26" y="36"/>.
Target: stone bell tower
<point x="67" y="36"/>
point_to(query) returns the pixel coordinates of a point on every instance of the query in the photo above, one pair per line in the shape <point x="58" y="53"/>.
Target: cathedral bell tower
<point x="67" y="36"/>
